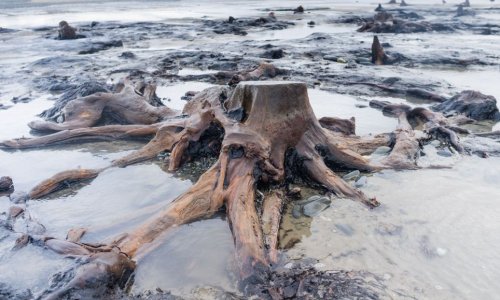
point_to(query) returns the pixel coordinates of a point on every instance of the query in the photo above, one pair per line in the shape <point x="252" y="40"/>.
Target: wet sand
<point x="435" y="235"/>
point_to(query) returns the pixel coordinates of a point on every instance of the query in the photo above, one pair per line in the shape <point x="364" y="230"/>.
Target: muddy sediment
<point x="106" y="51"/>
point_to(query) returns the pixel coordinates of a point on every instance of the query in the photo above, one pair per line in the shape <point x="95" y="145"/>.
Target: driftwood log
<point x="265" y="136"/>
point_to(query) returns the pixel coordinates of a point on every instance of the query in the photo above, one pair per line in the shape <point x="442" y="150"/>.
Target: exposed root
<point x="61" y="179"/>
<point x="271" y="218"/>
<point x="253" y="128"/>
<point x="125" y="107"/>
<point x="110" y="132"/>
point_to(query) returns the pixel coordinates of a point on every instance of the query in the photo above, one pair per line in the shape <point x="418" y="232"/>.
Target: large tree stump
<point x="266" y="135"/>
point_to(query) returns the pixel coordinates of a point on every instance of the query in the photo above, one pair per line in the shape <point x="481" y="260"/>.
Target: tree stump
<point x="265" y="134"/>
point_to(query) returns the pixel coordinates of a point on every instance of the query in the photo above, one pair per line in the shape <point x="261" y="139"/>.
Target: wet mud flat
<point x="331" y="50"/>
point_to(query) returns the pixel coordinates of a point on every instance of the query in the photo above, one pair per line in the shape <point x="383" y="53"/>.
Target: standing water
<point x="435" y="236"/>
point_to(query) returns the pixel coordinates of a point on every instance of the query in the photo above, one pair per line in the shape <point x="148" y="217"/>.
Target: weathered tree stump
<point x="270" y="136"/>
<point x="66" y="32"/>
<point x="5" y="183"/>
<point x="378" y="55"/>
<point x="265" y="135"/>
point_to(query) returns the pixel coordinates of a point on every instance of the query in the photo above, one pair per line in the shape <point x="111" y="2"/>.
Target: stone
<point x="273" y="54"/>
<point x="15" y="211"/>
<point x="382" y="150"/>
<point x="362" y="181"/>
<point x="472" y="104"/>
<point x="352" y="175"/>
<point x="441" y="251"/>
<point x="313" y="208"/>
<point x="21" y="242"/>
<point x="127" y="54"/>
<point x="6" y="183"/>
<point x="66" y="32"/>
<point x="308" y="200"/>
<point x="299" y="10"/>
<point x="297" y="211"/>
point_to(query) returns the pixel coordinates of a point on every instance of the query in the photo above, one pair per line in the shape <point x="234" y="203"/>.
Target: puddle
<point x="368" y="120"/>
<point x="30" y="267"/>
<point x="430" y="243"/>
<point x="116" y="200"/>
<point x="203" y="254"/>
<point x="172" y="94"/>
<point x="434" y="237"/>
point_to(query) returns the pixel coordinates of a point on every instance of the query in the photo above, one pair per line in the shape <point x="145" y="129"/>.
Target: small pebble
<point x="387" y="276"/>
<point x="441" y="251"/>
<point x="362" y="181"/>
<point x="15" y="211"/>
<point x="352" y="175"/>
<point x="312" y="209"/>
<point x="288" y="265"/>
<point x="5" y="183"/>
<point x="297" y="211"/>
<point x="382" y="150"/>
<point x="21" y="241"/>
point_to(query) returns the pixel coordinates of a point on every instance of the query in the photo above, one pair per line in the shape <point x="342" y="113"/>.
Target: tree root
<point x="127" y="106"/>
<point x="253" y="128"/>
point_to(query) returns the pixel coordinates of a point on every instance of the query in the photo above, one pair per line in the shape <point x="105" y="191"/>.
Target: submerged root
<point x="253" y="128"/>
<point x="127" y="106"/>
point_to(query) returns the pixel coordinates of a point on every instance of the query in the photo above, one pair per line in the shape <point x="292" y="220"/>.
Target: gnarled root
<point x="202" y="200"/>
<point x="273" y="119"/>
<point x="61" y="179"/>
<point x="406" y="149"/>
<point x="109" y="132"/>
<point x="125" y="107"/>
<point x="271" y="218"/>
<point x="101" y="271"/>
<point x="172" y="136"/>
